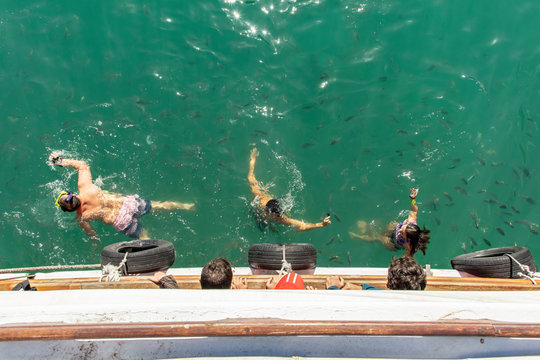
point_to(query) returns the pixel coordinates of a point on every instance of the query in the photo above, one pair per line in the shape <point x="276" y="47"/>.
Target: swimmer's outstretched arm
<point x="300" y="225"/>
<point x="414" y="207"/>
<point x="85" y="177"/>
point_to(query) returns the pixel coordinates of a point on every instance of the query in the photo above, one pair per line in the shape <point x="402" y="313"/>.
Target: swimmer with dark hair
<point x="404" y="235"/>
<point x="271" y="206"/>
<point x="93" y="203"/>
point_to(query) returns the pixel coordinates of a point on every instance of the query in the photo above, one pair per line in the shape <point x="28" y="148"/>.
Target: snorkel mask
<point x="68" y="200"/>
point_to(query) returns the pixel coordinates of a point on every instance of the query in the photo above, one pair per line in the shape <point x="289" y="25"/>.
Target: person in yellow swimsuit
<point x="271" y="206"/>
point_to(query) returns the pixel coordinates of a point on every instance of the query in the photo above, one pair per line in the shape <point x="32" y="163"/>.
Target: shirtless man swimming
<point x="271" y="206"/>
<point x="93" y="203"/>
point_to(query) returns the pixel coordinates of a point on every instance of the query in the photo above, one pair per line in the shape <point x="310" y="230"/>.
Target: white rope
<point x="285" y="266"/>
<point x="525" y="270"/>
<point x="45" y="268"/>
<point x="111" y="272"/>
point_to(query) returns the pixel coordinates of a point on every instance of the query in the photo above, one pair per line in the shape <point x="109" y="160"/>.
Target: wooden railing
<point x="259" y="281"/>
<point x="267" y="327"/>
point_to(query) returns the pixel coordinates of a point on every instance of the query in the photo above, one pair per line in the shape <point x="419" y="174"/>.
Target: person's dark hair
<point x="70" y="206"/>
<point x="405" y="273"/>
<point x="418" y="238"/>
<point x="217" y="274"/>
<point x="273" y="207"/>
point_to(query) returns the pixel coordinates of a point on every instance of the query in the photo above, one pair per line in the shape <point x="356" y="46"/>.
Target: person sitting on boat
<point x="271" y="206"/>
<point x="404" y="235"/>
<point x="93" y="203"/>
<point x="289" y="281"/>
<point x="404" y="273"/>
<point x="217" y="274"/>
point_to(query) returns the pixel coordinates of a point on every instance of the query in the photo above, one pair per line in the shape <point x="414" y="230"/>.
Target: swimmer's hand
<point x="326" y="221"/>
<point x="56" y="159"/>
<point x="414" y="193"/>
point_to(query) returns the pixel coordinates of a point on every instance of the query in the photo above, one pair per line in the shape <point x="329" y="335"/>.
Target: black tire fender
<point x="493" y="263"/>
<point x="143" y="255"/>
<point x="268" y="256"/>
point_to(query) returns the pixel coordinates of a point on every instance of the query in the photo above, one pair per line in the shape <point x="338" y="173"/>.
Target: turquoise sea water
<point x="349" y="103"/>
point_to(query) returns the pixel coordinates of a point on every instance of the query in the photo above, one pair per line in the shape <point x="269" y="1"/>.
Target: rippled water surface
<point x="349" y="103"/>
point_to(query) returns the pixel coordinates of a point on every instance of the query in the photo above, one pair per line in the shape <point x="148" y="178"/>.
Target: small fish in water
<point x="450" y="204"/>
<point x="400" y="131"/>
<point x="488" y="243"/>
<point x="501" y="231"/>
<point x="324" y="171"/>
<point x="435" y="202"/>
<point x="475" y="218"/>
<point x="503" y="206"/>
<point x="349" y="257"/>
<point x="493" y="164"/>
<point x="515" y="209"/>
<point x="464" y="247"/>
<point x="499" y="182"/>
<point x="331" y="240"/>
<point x="437" y="221"/>
<point x="262" y="132"/>
<point x="526" y="222"/>
<point x="509" y="223"/>
<point x="526" y="172"/>
<point x="481" y="161"/>
<point x="222" y="140"/>
<point x="335" y="141"/>
<point x="528" y="199"/>
<point x="481" y="191"/>
<point x="306" y="145"/>
<point x="470" y="178"/>
<point x="473" y="242"/>
<point x="533" y="230"/>
<point x="461" y="190"/>
<point x="464" y="181"/>
<point x="336" y="217"/>
<point x="448" y="196"/>
<point x="336" y="259"/>
<point x="456" y="160"/>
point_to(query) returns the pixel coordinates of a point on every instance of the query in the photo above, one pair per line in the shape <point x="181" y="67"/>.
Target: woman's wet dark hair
<point x="272" y="206"/>
<point x="70" y="206"/>
<point x="418" y="238"/>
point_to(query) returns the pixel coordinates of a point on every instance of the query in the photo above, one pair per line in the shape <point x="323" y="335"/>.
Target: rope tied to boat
<point x="525" y="271"/>
<point x="111" y="272"/>
<point x="286" y="267"/>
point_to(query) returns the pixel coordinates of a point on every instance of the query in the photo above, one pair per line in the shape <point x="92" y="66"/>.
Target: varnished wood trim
<point x="267" y="327"/>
